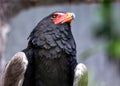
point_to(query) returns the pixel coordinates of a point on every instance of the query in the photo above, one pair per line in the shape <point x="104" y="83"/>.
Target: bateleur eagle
<point x="50" y="57"/>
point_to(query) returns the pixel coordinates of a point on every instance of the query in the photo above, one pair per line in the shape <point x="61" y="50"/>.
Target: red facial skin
<point x="60" y="18"/>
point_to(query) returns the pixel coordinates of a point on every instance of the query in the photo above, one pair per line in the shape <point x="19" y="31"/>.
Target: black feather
<point x="51" y="54"/>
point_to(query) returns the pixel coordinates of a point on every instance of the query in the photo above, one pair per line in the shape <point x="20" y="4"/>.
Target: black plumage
<point x="51" y="54"/>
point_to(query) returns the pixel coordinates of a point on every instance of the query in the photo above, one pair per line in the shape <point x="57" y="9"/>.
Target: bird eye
<point x="54" y="16"/>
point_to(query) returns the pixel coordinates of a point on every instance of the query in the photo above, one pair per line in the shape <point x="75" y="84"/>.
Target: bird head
<point x="62" y="17"/>
<point x="59" y="18"/>
<point x="53" y="30"/>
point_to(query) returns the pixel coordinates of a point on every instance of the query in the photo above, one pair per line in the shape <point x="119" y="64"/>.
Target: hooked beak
<point x="68" y="17"/>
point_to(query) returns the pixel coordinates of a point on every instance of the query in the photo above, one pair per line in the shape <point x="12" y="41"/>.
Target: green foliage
<point x="114" y="49"/>
<point x="87" y="53"/>
<point x="106" y="30"/>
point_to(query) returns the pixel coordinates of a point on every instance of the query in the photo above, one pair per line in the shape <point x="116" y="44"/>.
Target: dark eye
<point x="54" y="15"/>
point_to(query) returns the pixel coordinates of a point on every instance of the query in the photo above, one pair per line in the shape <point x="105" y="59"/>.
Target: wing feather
<point x="81" y="75"/>
<point x="13" y="74"/>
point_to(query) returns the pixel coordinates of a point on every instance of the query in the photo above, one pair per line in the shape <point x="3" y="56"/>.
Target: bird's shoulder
<point x="15" y="69"/>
